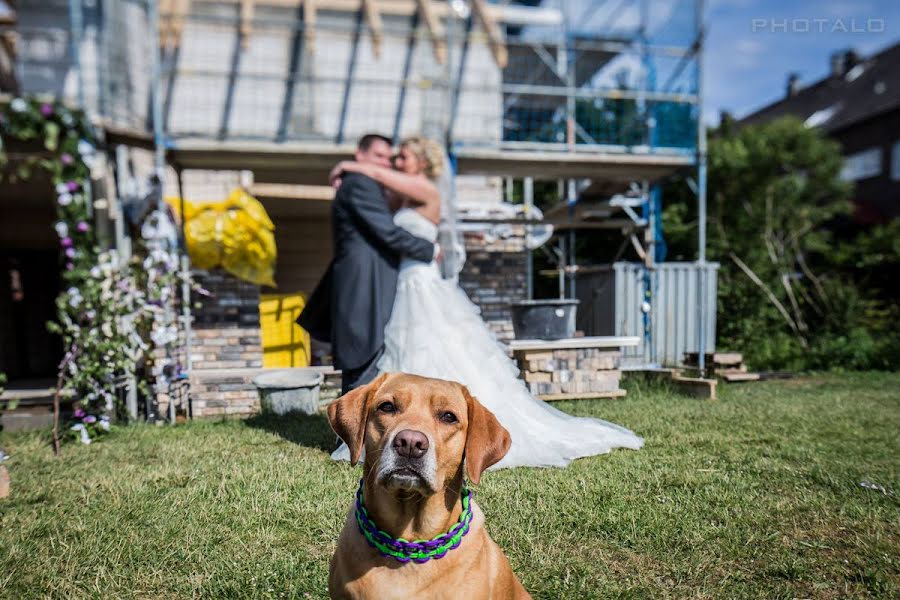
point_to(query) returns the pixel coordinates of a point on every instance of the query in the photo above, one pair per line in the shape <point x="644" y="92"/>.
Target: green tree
<point x="784" y="295"/>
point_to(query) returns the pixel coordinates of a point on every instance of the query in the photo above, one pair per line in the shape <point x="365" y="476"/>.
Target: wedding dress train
<point x="436" y="331"/>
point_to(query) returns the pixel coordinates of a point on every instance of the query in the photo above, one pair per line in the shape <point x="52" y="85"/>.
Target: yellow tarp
<point x="285" y="344"/>
<point x="236" y="234"/>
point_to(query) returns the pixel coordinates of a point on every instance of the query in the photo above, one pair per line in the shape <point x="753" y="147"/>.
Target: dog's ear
<point x="487" y="441"/>
<point x="347" y="416"/>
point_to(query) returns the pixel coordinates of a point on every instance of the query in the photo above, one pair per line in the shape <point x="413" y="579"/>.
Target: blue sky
<point x="749" y="53"/>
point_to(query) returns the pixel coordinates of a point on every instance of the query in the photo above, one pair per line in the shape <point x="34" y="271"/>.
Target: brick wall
<point x="226" y="352"/>
<point x="231" y="303"/>
<point x="494" y="278"/>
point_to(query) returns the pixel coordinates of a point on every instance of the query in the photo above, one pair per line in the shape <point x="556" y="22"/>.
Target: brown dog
<point x="416" y="433"/>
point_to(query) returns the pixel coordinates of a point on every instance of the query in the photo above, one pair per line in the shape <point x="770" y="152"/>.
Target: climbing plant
<point x="103" y="304"/>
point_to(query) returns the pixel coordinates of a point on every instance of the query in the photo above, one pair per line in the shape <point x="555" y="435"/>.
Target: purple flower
<point x="46" y="110"/>
<point x="90" y="419"/>
<point x="70" y="252"/>
<point x="66" y="242"/>
<point x="72" y="185"/>
<point x="83" y="227"/>
<point x="69" y="266"/>
<point x="79" y="413"/>
<point x="66" y="158"/>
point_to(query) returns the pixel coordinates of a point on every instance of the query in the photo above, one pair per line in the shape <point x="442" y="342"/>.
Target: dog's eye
<point x="387" y="407"/>
<point x="449" y="417"/>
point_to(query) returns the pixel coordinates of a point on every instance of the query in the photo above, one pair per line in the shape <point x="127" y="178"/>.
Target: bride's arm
<point x="415" y="187"/>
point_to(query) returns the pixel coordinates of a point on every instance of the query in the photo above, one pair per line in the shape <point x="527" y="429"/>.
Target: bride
<point x="436" y="331"/>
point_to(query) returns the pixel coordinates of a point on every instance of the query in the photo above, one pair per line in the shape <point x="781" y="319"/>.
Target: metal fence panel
<point x="615" y="301"/>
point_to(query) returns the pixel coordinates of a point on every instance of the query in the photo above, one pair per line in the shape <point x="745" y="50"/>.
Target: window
<point x="895" y="161"/>
<point x="862" y="165"/>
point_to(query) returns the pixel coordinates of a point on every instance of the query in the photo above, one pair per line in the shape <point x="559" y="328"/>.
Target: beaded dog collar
<point x="419" y="551"/>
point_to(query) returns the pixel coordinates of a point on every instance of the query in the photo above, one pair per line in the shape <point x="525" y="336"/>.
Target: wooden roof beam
<point x="173" y="13"/>
<point x="248" y="8"/>
<point x="435" y="30"/>
<point x="165" y="23"/>
<point x="512" y="14"/>
<point x="373" y="16"/>
<point x="495" y="36"/>
<point x="8" y="14"/>
<point x="283" y="191"/>
<point x="309" y="25"/>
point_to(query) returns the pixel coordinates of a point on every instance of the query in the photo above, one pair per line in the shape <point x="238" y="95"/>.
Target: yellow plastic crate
<point x="285" y="344"/>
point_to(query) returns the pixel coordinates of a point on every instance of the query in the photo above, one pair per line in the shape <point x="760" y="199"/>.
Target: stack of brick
<point x="226" y="349"/>
<point x="219" y="392"/>
<point x="494" y="277"/>
<point x="564" y="373"/>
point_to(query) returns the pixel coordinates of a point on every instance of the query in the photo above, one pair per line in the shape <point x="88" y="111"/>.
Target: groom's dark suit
<point x="352" y="304"/>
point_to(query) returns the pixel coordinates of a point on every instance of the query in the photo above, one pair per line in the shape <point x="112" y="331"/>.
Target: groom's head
<point x="374" y="149"/>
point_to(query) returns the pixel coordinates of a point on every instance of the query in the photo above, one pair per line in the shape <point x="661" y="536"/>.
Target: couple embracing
<point x="385" y="307"/>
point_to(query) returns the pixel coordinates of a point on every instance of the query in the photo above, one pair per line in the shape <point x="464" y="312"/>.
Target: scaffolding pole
<point x="159" y="145"/>
<point x="701" y="197"/>
<point x="528" y="197"/>
<point x="76" y="30"/>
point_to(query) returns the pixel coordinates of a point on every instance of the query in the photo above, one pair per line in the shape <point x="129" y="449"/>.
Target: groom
<point x="352" y="303"/>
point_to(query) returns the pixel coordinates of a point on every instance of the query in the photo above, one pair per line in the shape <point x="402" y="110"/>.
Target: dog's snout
<point x="411" y="444"/>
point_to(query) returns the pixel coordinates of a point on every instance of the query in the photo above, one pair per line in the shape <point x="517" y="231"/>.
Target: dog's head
<point x="417" y="432"/>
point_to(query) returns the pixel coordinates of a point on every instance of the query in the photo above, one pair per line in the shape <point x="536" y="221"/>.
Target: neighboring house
<point x="857" y="104"/>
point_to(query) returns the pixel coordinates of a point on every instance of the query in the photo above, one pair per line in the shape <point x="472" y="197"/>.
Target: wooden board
<point x="584" y="396"/>
<point x="716" y="358"/>
<point x="573" y="343"/>
<point x="696" y="386"/>
<point x="736" y="377"/>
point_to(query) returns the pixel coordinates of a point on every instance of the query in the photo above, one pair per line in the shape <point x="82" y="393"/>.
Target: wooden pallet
<point x="724" y="359"/>
<point x="728" y="366"/>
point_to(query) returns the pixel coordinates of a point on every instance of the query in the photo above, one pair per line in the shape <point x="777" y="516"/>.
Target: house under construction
<point x="602" y="97"/>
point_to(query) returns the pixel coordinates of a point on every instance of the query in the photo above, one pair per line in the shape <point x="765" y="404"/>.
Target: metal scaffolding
<point x="604" y="96"/>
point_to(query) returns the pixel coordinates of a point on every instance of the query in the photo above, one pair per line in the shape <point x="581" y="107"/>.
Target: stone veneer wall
<point x="494" y="278"/>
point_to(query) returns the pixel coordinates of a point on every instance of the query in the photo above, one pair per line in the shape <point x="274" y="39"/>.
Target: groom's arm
<point x="366" y="202"/>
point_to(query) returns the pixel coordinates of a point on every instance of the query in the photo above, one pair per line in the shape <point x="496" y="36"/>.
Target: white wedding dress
<point x="436" y="331"/>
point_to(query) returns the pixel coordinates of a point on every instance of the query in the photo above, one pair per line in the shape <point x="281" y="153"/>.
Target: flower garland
<point x="105" y="304"/>
<point x="162" y="278"/>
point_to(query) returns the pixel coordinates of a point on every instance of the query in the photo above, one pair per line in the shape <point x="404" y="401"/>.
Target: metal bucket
<point x="544" y="319"/>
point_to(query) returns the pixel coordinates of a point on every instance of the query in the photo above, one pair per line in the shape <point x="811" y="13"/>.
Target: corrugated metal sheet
<point x="660" y="306"/>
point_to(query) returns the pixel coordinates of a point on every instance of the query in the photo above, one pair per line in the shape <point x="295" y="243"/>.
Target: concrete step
<point x="36" y="416"/>
<point x="31" y="407"/>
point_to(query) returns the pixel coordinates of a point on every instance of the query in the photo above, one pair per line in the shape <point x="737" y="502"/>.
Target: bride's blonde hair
<point x="429" y="153"/>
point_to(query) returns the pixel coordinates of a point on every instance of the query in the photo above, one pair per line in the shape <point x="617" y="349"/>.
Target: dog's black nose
<point x="411" y="444"/>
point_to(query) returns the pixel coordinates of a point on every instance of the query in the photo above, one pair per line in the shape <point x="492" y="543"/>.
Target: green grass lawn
<point x="756" y="495"/>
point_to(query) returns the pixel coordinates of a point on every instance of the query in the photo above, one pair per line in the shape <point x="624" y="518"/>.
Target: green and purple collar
<point x="418" y="551"/>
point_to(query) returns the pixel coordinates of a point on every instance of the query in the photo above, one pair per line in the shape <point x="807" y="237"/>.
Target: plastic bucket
<point x="283" y="391"/>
